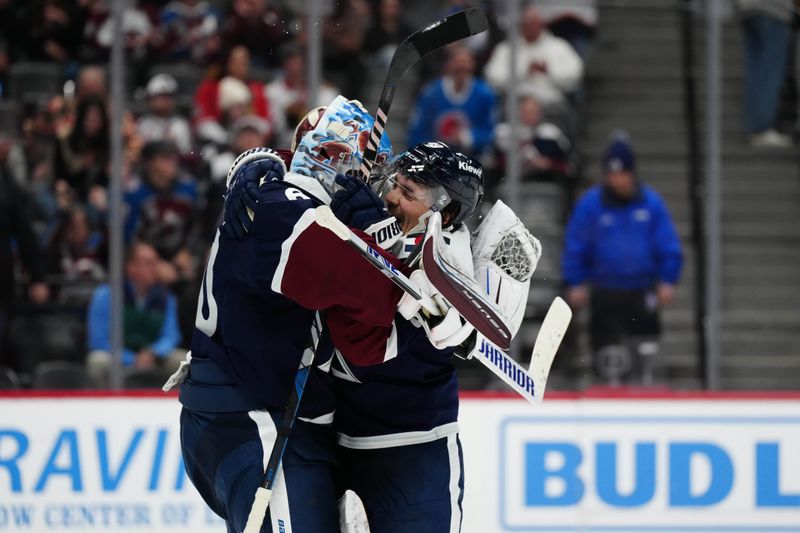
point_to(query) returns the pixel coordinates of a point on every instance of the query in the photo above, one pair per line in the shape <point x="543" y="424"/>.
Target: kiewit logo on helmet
<point x="469" y="168"/>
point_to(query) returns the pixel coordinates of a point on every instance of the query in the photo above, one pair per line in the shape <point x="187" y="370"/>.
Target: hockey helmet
<point x="337" y="143"/>
<point x="453" y="180"/>
<point x="308" y="123"/>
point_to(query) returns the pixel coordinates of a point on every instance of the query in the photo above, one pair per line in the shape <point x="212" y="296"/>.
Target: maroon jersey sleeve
<point x="320" y="271"/>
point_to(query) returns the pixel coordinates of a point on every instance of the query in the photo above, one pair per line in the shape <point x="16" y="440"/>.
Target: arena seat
<point x="9" y="379"/>
<point x="143" y="379"/>
<point x="10" y="117"/>
<point x="31" y="82"/>
<point x="61" y="375"/>
<point x="65" y="340"/>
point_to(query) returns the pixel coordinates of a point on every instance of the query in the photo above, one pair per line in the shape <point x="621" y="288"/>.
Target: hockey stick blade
<point x="503" y="366"/>
<point x="460" y="290"/>
<point x="417" y="45"/>
<point x="548" y="340"/>
<point x="531" y="384"/>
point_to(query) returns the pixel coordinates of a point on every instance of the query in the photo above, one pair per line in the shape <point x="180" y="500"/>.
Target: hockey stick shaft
<point x="504" y="367"/>
<point x="417" y="45"/>
<point x="529" y="384"/>
<point x="494" y="357"/>
<point x="258" y="510"/>
<point x="326" y="219"/>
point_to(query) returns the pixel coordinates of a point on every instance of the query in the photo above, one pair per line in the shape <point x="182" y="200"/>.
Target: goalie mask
<point x="438" y="177"/>
<point x="308" y="123"/>
<point x="336" y="144"/>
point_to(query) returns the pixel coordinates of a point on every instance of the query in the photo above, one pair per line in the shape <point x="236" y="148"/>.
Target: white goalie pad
<point x="352" y="515"/>
<point x="505" y="256"/>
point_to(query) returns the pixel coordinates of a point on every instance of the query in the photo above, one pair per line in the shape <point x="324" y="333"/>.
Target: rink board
<point x="657" y="462"/>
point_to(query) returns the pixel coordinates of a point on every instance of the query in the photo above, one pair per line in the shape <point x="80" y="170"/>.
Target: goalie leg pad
<point x="352" y="515"/>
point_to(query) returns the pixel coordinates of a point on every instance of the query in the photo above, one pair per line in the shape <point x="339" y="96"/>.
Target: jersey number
<point x="206" y="318"/>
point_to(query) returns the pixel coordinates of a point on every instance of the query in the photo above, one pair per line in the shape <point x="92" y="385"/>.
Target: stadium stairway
<point x="634" y="82"/>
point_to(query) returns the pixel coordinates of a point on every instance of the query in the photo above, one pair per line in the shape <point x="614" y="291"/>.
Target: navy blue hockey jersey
<point x="258" y="300"/>
<point x="403" y="401"/>
<point x="413" y="397"/>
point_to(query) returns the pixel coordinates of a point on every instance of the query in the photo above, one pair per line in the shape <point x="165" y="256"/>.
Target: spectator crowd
<point x="206" y="80"/>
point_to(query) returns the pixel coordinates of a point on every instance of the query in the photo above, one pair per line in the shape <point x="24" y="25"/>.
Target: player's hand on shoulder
<point x="249" y="171"/>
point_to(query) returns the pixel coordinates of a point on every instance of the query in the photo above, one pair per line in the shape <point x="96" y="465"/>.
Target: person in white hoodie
<point x="162" y="122"/>
<point x="547" y="66"/>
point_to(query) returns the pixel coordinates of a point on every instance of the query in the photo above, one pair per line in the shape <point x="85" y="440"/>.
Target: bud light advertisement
<point x="672" y="464"/>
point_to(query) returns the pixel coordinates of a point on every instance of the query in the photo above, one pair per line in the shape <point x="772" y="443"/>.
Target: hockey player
<point x="254" y="315"/>
<point x="397" y="422"/>
<point x="243" y="199"/>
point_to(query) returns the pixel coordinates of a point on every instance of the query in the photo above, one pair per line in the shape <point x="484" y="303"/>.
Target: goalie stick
<point x="258" y="510"/>
<point x="530" y="384"/>
<point x="326" y="219"/>
<point x="457" y="287"/>
<point x="491" y="351"/>
<point x="475" y="309"/>
<point x="420" y="43"/>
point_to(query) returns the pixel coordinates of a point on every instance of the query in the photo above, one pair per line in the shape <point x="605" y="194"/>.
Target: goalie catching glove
<point x="505" y="256"/>
<point x="446" y="330"/>
<point x="251" y="169"/>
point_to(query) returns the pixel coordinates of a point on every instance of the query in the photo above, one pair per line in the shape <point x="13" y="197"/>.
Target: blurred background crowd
<point x="206" y="80"/>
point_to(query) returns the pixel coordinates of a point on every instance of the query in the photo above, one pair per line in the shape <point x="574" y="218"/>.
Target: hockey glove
<point x="505" y="257"/>
<point x="444" y="331"/>
<point x="251" y="169"/>
<point x="357" y="206"/>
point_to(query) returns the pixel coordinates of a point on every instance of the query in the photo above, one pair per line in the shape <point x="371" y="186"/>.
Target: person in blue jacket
<point x="621" y="242"/>
<point x="152" y="339"/>
<point x="457" y="108"/>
